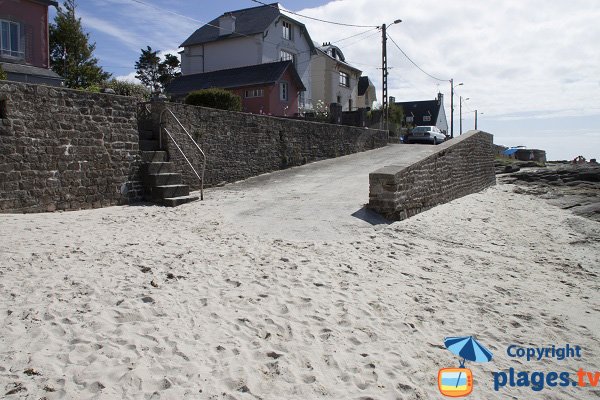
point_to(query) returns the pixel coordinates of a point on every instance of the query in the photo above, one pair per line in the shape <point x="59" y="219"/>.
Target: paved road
<point x="319" y="201"/>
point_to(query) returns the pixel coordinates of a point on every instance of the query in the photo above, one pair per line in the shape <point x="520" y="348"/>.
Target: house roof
<point x="23" y="69"/>
<point x="253" y="75"/>
<point x="47" y="2"/>
<point x="325" y="52"/>
<point x="419" y="109"/>
<point x="248" y="22"/>
<point x="363" y="85"/>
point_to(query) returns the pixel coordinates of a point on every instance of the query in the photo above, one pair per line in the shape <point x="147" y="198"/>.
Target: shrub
<point x="124" y="88"/>
<point x="215" y="98"/>
<point x="3" y="75"/>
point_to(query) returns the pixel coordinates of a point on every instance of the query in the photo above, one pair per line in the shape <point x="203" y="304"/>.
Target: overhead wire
<point x="415" y="64"/>
<point x="313" y="18"/>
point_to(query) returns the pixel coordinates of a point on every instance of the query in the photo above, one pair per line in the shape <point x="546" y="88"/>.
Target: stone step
<point x="147" y="135"/>
<point x="149" y="145"/>
<point x="162" y="179"/>
<point x="167" y="191"/>
<point x="154" y="168"/>
<point x="153" y="156"/>
<point x="177" y="201"/>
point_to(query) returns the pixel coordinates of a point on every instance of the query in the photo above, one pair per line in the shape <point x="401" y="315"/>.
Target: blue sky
<point x="531" y="68"/>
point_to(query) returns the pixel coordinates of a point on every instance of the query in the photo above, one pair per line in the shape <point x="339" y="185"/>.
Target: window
<point x="427" y="118"/>
<point x="253" y="93"/>
<point x="11" y="40"/>
<point x="344" y="79"/>
<point x="283" y="91"/>
<point x="287" y="30"/>
<point x="286" y="55"/>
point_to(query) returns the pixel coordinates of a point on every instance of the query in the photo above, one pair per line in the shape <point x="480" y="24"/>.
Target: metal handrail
<point x="181" y="151"/>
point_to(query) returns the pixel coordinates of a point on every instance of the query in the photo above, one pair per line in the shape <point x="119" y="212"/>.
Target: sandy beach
<point x="199" y="302"/>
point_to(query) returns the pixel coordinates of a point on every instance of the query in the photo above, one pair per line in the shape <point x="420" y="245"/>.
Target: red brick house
<point x="24" y="46"/>
<point x="271" y="88"/>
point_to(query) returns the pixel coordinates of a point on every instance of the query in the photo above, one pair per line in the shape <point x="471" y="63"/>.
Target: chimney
<point x="440" y="98"/>
<point x="226" y="24"/>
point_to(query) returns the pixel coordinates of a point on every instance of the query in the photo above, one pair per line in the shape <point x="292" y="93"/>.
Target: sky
<point x="531" y="68"/>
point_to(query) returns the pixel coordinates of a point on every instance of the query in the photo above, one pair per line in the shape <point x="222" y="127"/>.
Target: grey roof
<point x="249" y="21"/>
<point x="261" y="74"/>
<point x="47" y="2"/>
<point x="363" y="85"/>
<point x="24" y="69"/>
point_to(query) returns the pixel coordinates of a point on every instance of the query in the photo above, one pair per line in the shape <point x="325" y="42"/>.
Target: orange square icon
<point x="455" y="382"/>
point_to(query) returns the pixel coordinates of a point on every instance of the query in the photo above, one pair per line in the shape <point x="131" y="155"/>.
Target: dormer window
<point x="287" y="30"/>
<point x="11" y="39"/>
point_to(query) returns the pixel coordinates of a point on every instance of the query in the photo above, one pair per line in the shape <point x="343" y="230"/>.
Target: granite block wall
<point x="63" y="149"/>
<point x="240" y="145"/>
<point x="459" y="167"/>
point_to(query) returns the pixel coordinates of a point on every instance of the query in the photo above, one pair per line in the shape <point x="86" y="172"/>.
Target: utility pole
<point x="460" y="112"/>
<point x="452" y="107"/>
<point x="384" y="74"/>
<point x="475" y="119"/>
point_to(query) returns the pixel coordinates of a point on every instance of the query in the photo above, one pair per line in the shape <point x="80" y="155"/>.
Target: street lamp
<point x="460" y="112"/>
<point x="452" y="106"/>
<point x="384" y="72"/>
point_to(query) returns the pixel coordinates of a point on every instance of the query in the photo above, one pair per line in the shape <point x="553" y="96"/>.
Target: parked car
<point x="425" y="134"/>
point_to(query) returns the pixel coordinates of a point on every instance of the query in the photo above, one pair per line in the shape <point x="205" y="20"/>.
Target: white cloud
<point x="513" y="56"/>
<point x="128" y="78"/>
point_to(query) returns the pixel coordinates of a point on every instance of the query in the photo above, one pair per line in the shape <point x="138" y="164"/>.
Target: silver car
<point x="425" y="134"/>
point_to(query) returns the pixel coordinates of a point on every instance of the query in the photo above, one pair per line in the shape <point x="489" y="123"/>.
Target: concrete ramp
<point x="456" y="168"/>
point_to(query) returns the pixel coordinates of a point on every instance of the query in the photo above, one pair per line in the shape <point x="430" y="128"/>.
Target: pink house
<point x="271" y="88"/>
<point x="24" y="46"/>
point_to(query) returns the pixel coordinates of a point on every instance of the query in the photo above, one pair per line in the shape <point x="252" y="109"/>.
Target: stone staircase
<point x="162" y="184"/>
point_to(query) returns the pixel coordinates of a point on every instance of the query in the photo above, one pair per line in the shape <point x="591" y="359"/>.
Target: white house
<point x="250" y="36"/>
<point x="334" y="80"/>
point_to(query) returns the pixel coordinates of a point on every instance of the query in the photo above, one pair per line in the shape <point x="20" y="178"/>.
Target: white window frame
<point x="285" y="55"/>
<point x="252" y="93"/>
<point x="6" y="49"/>
<point x="344" y="79"/>
<point x="287" y="30"/>
<point x="284" y="91"/>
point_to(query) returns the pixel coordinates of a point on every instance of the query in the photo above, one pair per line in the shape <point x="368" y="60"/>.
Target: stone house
<point x="428" y="112"/>
<point x="270" y="88"/>
<point x="248" y="37"/>
<point x="24" y="45"/>
<point x="334" y="80"/>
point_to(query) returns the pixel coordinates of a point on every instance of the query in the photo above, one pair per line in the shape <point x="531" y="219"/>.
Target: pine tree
<point x="71" y="53"/>
<point x="153" y="72"/>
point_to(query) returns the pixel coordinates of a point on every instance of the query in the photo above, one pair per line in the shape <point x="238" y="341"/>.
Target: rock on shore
<point x="569" y="186"/>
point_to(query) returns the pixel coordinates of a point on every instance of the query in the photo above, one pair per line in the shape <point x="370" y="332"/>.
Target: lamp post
<point x="452" y="107"/>
<point x="460" y="112"/>
<point x="476" y="118"/>
<point x="384" y="72"/>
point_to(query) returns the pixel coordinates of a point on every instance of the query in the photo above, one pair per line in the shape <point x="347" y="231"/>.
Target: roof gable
<point x="419" y="109"/>
<point x="261" y="74"/>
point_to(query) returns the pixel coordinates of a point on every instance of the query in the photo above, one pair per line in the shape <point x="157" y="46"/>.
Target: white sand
<point x="252" y="314"/>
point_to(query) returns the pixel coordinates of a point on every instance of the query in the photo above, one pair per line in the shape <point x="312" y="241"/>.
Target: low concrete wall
<point x="459" y="167"/>
<point x="240" y="145"/>
<point x="63" y="149"/>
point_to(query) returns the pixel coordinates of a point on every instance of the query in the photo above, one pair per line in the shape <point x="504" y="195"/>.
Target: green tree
<point x="154" y="72"/>
<point x="71" y="53"/>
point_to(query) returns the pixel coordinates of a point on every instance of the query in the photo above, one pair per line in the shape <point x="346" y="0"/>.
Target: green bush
<point x="3" y="75"/>
<point x="125" y="88"/>
<point x="215" y="98"/>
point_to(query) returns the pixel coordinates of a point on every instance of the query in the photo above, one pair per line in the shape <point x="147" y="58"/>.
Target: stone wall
<point x="64" y="149"/>
<point x="459" y="167"/>
<point x="239" y="145"/>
